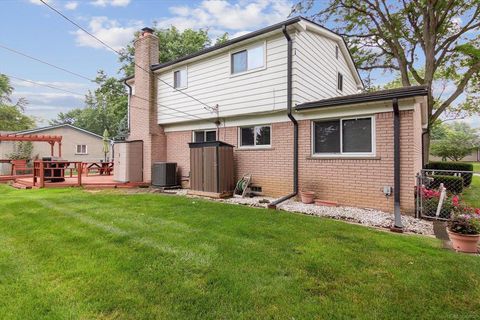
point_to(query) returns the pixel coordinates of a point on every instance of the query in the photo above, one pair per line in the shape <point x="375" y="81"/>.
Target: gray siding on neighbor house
<point x="71" y="137"/>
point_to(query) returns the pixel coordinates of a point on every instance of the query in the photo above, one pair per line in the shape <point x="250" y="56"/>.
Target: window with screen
<point x="343" y="136"/>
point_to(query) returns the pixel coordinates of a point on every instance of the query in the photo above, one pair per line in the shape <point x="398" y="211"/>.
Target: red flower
<point x="455" y="201"/>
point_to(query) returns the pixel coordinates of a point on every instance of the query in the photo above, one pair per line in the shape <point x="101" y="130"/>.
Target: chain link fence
<point x="438" y="190"/>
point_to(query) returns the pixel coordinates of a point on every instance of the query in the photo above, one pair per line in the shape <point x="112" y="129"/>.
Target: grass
<point x="476" y="166"/>
<point x="471" y="195"/>
<point x="71" y="254"/>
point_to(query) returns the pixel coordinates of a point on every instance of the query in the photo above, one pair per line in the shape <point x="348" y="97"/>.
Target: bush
<point x="453" y="184"/>
<point x="454" y="166"/>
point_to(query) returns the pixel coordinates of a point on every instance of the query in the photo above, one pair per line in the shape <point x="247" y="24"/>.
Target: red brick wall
<point x="143" y="110"/>
<point x="354" y="182"/>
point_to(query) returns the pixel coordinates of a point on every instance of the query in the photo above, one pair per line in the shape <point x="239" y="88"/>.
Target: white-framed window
<point x="255" y="136"/>
<point x="180" y="79"/>
<point x="81" y="149"/>
<point x="339" y="81"/>
<point x="204" y="135"/>
<point x="248" y="59"/>
<point x="345" y="137"/>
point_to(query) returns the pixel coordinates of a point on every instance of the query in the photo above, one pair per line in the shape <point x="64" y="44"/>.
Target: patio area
<point x="90" y="181"/>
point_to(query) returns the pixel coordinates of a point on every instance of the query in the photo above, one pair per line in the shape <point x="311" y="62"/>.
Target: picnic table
<point x="103" y="168"/>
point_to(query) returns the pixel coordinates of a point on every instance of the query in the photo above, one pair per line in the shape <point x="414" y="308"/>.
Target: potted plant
<point x="464" y="228"/>
<point x="307" y="196"/>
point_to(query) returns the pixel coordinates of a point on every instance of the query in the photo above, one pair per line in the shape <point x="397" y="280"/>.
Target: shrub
<point x="453" y="184"/>
<point x="453" y="166"/>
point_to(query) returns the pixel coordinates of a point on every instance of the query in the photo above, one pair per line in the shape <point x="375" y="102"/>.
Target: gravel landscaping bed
<point x="368" y="217"/>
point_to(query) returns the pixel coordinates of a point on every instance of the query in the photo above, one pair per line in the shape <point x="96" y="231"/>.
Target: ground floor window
<point x="204" y="135"/>
<point x="255" y="136"/>
<point x="347" y="136"/>
<point x="81" y="149"/>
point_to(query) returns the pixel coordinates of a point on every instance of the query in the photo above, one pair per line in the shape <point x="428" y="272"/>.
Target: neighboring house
<point x="77" y="144"/>
<point x="241" y="92"/>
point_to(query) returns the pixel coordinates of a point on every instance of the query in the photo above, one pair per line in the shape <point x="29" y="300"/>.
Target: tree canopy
<point x="172" y="43"/>
<point x="12" y="117"/>
<point x="105" y="108"/>
<point x="420" y="40"/>
<point x="454" y="141"/>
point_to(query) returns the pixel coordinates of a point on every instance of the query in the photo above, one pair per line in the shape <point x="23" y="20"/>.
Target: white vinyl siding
<point x="210" y="81"/>
<point x="315" y="69"/>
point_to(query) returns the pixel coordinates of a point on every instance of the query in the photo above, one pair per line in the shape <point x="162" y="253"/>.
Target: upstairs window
<point x="255" y="136"/>
<point x="180" y="79"/>
<point x="81" y="149"/>
<point x="336" y="52"/>
<point x="204" y="135"/>
<point x="343" y="136"/>
<point x="248" y="59"/>
<point x="340" y="82"/>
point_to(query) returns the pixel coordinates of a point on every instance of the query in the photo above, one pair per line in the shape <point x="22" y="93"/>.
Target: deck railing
<point x="48" y="170"/>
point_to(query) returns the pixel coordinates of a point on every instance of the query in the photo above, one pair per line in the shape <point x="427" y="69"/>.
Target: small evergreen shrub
<point x="453" y="184"/>
<point x="453" y="166"/>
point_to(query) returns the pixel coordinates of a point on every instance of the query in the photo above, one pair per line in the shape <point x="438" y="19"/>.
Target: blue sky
<point x="30" y="27"/>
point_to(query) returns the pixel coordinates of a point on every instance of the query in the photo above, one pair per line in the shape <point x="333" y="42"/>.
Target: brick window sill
<point x="255" y="149"/>
<point x="343" y="158"/>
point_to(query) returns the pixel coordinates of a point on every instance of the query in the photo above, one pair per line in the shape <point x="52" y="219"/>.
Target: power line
<point x="44" y="62"/>
<point x="44" y="85"/>
<point x="208" y="108"/>
<point x="80" y="94"/>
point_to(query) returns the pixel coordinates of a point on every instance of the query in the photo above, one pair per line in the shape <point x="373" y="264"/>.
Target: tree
<point x="222" y="39"/>
<point x="172" y="43"/>
<point x="12" y="117"/>
<point x="456" y="141"/>
<point x="22" y="151"/>
<point x="105" y="108"/>
<point x="421" y="39"/>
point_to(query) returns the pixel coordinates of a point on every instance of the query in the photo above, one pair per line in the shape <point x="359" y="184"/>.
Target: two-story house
<point x="288" y="97"/>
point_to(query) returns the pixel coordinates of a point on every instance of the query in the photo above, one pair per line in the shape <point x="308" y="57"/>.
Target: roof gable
<point x="66" y="125"/>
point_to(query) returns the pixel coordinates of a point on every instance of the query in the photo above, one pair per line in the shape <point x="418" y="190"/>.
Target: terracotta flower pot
<point x="464" y="242"/>
<point x="307" y="196"/>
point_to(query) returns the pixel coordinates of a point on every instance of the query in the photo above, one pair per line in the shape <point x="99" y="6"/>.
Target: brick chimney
<point x="143" y="108"/>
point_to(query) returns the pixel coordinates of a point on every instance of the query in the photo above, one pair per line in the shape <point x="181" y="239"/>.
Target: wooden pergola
<point x="35" y="138"/>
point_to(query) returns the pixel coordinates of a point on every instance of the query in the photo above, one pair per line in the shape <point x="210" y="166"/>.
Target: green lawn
<point x="471" y="195"/>
<point x="71" y="254"/>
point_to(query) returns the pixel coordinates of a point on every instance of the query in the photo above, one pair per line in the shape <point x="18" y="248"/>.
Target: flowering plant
<point x="465" y="220"/>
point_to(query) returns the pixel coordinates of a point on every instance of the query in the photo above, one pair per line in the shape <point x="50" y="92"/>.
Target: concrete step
<point x="19" y="185"/>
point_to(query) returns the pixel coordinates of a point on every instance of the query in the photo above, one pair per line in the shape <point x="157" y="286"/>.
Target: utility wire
<point x="80" y="94"/>
<point x="44" y="62"/>
<point x="206" y="106"/>
<point x="43" y="85"/>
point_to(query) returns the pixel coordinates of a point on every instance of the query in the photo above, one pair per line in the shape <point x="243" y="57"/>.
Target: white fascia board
<point x="281" y="116"/>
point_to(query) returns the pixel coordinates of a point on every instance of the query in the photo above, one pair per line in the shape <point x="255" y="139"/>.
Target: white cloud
<point x="71" y="5"/>
<point x="109" y="31"/>
<point x="39" y="3"/>
<point x="113" y="3"/>
<point x="221" y="15"/>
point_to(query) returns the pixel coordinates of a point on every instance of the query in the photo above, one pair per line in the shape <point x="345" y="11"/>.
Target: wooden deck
<point x="89" y="182"/>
